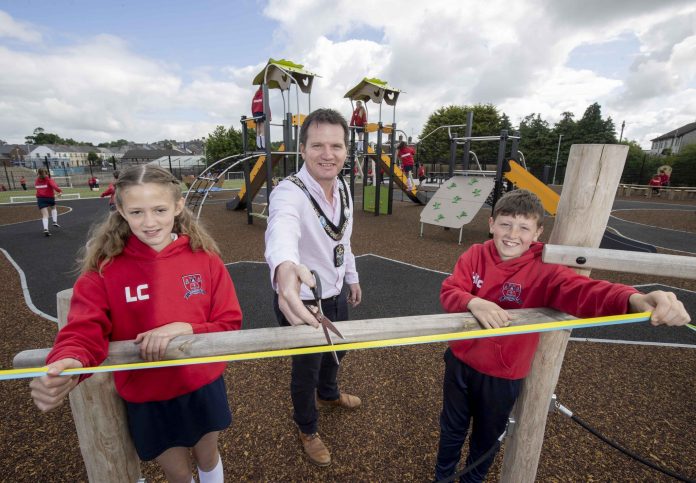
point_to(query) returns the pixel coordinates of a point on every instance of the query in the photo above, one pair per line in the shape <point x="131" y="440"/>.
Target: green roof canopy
<point x="374" y="90"/>
<point x="279" y="74"/>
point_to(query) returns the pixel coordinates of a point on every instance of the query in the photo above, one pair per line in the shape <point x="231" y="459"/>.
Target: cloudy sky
<point x="97" y="70"/>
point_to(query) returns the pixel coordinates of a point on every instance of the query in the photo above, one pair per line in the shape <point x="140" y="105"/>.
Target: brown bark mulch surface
<point x="682" y="220"/>
<point x="640" y="396"/>
<point x="18" y="214"/>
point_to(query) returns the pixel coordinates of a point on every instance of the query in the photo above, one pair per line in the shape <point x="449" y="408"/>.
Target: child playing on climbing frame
<point x="150" y="273"/>
<point x="483" y="376"/>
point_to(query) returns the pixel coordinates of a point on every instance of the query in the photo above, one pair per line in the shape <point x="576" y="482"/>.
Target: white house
<point x="673" y="141"/>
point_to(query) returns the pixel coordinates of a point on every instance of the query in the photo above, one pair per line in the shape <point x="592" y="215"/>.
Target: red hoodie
<point x="523" y="282"/>
<point x="46" y="188"/>
<point x="140" y="290"/>
<point x="110" y="192"/>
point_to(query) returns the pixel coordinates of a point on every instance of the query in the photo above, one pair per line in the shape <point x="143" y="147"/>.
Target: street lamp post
<point x="558" y="150"/>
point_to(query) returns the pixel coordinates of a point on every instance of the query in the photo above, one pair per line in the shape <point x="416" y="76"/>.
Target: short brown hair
<point x="520" y="203"/>
<point x="324" y="116"/>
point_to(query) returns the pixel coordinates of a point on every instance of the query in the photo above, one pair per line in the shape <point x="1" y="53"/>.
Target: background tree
<point x="640" y="165"/>
<point x="683" y="166"/>
<point x="536" y="142"/>
<point x="93" y="158"/>
<point x="40" y="136"/>
<point x="223" y="142"/>
<point x="487" y="121"/>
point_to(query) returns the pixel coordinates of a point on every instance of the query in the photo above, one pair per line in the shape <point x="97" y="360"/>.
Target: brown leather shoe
<point x="315" y="449"/>
<point x="345" y="401"/>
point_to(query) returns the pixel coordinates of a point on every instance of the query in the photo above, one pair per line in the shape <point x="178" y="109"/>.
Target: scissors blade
<point x="332" y="327"/>
<point x="329" y="341"/>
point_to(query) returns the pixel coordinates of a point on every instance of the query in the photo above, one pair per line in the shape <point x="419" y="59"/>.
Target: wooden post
<point x="589" y="188"/>
<point x="100" y="420"/>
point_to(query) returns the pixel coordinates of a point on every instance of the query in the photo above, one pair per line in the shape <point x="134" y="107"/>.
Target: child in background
<point x="483" y="376"/>
<point x="258" y="113"/>
<point x="655" y="182"/>
<point x="46" y="190"/>
<point x="150" y="273"/>
<point x="110" y="192"/>
<point x="406" y="155"/>
<point x="358" y="121"/>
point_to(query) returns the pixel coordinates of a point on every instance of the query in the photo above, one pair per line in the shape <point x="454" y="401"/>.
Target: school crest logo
<point x="193" y="284"/>
<point x="511" y="292"/>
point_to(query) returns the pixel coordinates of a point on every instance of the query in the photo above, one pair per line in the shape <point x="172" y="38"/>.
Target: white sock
<point x="45" y="223"/>
<point x="215" y="475"/>
<point x="54" y="215"/>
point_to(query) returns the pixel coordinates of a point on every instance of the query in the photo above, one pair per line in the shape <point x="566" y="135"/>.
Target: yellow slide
<point x="400" y="178"/>
<point x="257" y="177"/>
<point x="525" y="180"/>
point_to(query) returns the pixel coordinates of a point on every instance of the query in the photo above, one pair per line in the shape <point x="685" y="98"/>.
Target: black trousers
<point x="314" y="374"/>
<point x="469" y="394"/>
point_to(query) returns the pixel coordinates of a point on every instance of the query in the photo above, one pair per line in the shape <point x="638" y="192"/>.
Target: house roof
<point x="680" y="131"/>
<point x="149" y="153"/>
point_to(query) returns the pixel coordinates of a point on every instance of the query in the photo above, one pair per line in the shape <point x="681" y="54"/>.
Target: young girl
<point x="358" y="121"/>
<point x="46" y="190"/>
<point x="150" y="273"/>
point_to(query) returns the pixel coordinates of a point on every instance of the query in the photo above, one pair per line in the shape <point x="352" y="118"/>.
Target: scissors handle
<point x="316" y="290"/>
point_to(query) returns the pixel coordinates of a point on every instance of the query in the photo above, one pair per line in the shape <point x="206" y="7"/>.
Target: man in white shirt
<point x="309" y="227"/>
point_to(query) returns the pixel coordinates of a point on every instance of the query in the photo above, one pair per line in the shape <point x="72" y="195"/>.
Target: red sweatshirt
<point x="359" y="117"/>
<point x="257" y="102"/>
<point x="140" y="290"/>
<point x="406" y="155"/>
<point x="523" y="282"/>
<point x="46" y="188"/>
<point x="110" y="192"/>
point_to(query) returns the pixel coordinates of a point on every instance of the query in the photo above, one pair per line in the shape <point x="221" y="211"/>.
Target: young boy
<point x="483" y="377"/>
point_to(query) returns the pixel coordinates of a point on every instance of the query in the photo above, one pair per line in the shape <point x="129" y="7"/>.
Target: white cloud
<point x="12" y="29"/>
<point x="513" y="54"/>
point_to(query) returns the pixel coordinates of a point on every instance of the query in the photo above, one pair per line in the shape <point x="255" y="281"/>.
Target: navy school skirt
<point x="182" y="421"/>
<point x="44" y="202"/>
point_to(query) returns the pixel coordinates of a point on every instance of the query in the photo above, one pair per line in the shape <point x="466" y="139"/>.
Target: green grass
<point x="87" y="193"/>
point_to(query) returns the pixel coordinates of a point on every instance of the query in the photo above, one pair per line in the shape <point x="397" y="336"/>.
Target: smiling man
<point x="309" y="227"/>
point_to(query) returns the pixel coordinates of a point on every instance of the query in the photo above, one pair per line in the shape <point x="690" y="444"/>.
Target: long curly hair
<point x="107" y="239"/>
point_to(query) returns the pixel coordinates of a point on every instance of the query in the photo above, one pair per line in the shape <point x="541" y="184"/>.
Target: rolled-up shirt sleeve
<point x="283" y="231"/>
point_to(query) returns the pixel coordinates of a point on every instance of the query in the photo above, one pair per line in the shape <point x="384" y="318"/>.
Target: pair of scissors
<point x="326" y="324"/>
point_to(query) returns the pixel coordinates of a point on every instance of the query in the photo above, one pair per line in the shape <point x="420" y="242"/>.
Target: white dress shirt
<point x="295" y="234"/>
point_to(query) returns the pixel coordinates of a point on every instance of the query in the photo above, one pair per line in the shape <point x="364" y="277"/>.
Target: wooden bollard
<point x="100" y="419"/>
<point x="589" y="188"/>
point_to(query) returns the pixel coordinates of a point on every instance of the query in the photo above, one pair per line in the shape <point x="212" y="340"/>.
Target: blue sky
<point x="150" y="70"/>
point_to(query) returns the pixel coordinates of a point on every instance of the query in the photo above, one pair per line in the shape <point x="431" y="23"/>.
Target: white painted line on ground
<point x="25" y="289"/>
<point x="633" y="342"/>
<point x="650" y="226"/>
<point x="402" y="263"/>
<point x="647" y="243"/>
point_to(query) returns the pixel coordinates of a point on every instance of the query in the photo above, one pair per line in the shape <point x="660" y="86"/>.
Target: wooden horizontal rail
<point x="621" y="261"/>
<point x="278" y="338"/>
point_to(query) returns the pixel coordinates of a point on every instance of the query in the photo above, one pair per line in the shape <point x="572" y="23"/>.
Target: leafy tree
<point x="536" y="142"/>
<point x="436" y="148"/>
<point x="592" y="129"/>
<point x="640" y="165"/>
<point x="92" y="157"/>
<point x="114" y="144"/>
<point x="684" y="166"/>
<point x="222" y="143"/>
<point x="40" y="136"/>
